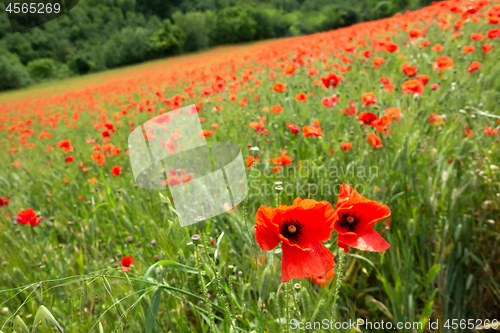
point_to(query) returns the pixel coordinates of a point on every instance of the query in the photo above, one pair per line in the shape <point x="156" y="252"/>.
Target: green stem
<point x="219" y="288"/>
<point x="208" y="304"/>
<point x="338" y="280"/>
<point x="287" y="306"/>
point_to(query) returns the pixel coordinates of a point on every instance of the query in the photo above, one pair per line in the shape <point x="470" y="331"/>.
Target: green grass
<point x="444" y="234"/>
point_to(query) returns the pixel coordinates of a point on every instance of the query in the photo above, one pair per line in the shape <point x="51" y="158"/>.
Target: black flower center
<point x="291" y="229"/>
<point x="349" y="221"/>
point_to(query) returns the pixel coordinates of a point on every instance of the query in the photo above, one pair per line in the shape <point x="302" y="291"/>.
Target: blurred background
<point x="101" y="34"/>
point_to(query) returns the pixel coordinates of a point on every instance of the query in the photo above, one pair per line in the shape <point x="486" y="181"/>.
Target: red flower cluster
<point x="302" y="227"/>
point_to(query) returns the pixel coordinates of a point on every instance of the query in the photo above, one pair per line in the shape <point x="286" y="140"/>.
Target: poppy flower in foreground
<point x="28" y="216"/>
<point x="354" y="217"/>
<point x="127" y="261"/>
<point x="4" y="202"/>
<point x="301" y="227"/>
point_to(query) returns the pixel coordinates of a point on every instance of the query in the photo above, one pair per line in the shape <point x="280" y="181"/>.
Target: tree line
<point x="101" y="34"/>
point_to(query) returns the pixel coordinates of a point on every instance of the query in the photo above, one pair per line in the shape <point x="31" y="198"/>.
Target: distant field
<point x="405" y="110"/>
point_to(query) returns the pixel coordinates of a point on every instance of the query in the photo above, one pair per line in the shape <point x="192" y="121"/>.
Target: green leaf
<point x="153" y="311"/>
<point x="19" y="323"/>
<point x="43" y="316"/>
<point x="426" y="312"/>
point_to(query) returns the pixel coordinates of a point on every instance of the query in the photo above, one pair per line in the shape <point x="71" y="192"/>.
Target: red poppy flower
<point x="424" y="78"/>
<point x="301" y="227"/>
<point x="476" y="37"/>
<point x="391" y="47"/>
<point x="410" y="70"/>
<point x="323" y="280"/>
<point x="277" y="108"/>
<point x="28" y="216"/>
<point x="434" y="86"/>
<point x="65" y="145"/>
<point x="468" y="132"/>
<point x="374" y="140"/>
<point x="283" y="159"/>
<point x="393" y="113"/>
<point x="98" y="156"/>
<point x="487" y="48"/>
<point x="442" y="62"/>
<point x="367" y="118"/>
<point x="314" y="130"/>
<point x="116" y="170"/>
<point x="381" y="124"/>
<point x="487" y="131"/>
<point x="474" y="66"/>
<point x="127" y="261"/>
<point x="351" y="110"/>
<point x="279" y="87"/>
<point x="368" y="98"/>
<point x="345" y="146"/>
<point x="413" y="87"/>
<point x="435" y="118"/>
<point x="378" y="61"/>
<point x="493" y="33"/>
<point x="69" y="159"/>
<point x="437" y="48"/>
<point x="330" y="101"/>
<point x="331" y="79"/>
<point x="293" y="128"/>
<point x="468" y="49"/>
<point x="301" y="97"/>
<point x="354" y="217"/>
<point x="250" y="160"/>
<point x="4" y="202"/>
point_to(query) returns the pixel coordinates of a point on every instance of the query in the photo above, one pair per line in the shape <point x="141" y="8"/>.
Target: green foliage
<point x="235" y="24"/>
<point x="198" y="27"/>
<point x="97" y="35"/>
<point x="127" y="46"/>
<point x="168" y="40"/>
<point x="339" y="16"/>
<point x="42" y="69"/>
<point x="13" y="74"/>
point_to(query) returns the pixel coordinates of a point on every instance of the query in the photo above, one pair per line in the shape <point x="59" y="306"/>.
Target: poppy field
<point x="373" y="174"/>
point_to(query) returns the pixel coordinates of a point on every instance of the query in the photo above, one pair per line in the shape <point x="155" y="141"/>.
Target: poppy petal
<point x="266" y="233"/>
<point x="368" y="214"/>
<point x="298" y="264"/>
<point x="370" y="241"/>
<point x="348" y="196"/>
<point x="316" y="218"/>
